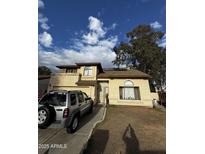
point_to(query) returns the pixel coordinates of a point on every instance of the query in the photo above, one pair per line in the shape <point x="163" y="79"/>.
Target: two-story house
<point x="120" y="87"/>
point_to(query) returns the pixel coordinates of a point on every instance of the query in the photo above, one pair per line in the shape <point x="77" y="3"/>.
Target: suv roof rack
<point x="63" y="90"/>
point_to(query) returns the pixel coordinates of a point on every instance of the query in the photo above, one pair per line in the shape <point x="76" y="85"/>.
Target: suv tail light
<point x="66" y="113"/>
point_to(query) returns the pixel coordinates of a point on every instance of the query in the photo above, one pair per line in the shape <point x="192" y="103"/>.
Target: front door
<point x="105" y="94"/>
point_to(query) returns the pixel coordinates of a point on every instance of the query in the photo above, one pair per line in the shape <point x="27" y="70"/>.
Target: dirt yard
<point x="130" y="130"/>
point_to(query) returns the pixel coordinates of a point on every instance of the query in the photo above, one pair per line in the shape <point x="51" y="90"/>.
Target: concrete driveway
<point x="58" y="141"/>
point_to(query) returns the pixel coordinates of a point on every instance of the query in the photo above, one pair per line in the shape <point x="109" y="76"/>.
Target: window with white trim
<point x="129" y="92"/>
<point x="88" y="71"/>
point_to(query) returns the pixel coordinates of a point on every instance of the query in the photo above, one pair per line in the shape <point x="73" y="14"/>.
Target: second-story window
<point x="71" y="71"/>
<point x="88" y="71"/>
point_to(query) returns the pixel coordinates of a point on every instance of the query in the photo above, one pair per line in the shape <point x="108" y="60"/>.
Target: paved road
<point x="58" y="141"/>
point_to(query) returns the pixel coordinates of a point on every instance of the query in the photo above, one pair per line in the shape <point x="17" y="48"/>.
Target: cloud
<point x="156" y="25"/>
<point x="93" y="46"/>
<point x="90" y="38"/>
<point x="43" y="21"/>
<point x="113" y="25"/>
<point x="95" y="25"/>
<point x="40" y="4"/>
<point x="162" y="42"/>
<point x="88" y="53"/>
<point x="45" y="39"/>
<point x="98" y="53"/>
<point x="41" y="18"/>
<point x="108" y="43"/>
<point x="96" y="31"/>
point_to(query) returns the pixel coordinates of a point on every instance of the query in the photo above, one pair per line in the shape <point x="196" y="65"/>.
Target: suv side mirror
<point x="87" y="98"/>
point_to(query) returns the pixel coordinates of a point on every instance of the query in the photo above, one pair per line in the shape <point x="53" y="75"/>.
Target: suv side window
<point x="80" y="98"/>
<point x="61" y="99"/>
<point x="73" y="99"/>
<point x="54" y="99"/>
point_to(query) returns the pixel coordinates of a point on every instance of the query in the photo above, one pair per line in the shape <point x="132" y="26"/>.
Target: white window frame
<point x="131" y="90"/>
<point x="88" y="71"/>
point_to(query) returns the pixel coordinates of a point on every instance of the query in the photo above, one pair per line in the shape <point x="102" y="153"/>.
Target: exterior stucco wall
<point x="89" y="90"/>
<point x="155" y="96"/>
<point x="63" y="79"/>
<point x="66" y="81"/>
<point x="145" y="94"/>
<point x="92" y="77"/>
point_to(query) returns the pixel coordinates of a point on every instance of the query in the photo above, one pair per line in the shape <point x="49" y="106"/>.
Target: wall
<point x="67" y="81"/>
<point x="63" y="79"/>
<point x="89" y="90"/>
<point x="155" y="96"/>
<point x="145" y="94"/>
<point x="94" y="73"/>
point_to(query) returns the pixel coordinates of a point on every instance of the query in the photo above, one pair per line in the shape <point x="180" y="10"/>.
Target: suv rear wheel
<point x="74" y="124"/>
<point x="43" y="117"/>
<point x="46" y="115"/>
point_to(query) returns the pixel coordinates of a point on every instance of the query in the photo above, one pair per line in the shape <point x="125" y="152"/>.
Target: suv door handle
<point x="59" y="110"/>
<point x="79" y="104"/>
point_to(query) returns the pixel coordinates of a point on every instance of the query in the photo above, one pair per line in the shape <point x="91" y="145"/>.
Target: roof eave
<point x="67" y="66"/>
<point x="86" y="83"/>
<point x="125" y="77"/>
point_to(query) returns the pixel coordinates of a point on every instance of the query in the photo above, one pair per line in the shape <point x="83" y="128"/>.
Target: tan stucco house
<point x="121" y="87"/>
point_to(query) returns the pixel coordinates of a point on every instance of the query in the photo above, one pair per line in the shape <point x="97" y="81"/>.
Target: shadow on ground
<point x="132" y="143"/>
<point x="85" y="119"/>
<point x="99" y="139"/>
<point x="97" y="145"/>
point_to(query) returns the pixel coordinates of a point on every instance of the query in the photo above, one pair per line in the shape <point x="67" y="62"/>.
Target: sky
<point x="73" y="31"/>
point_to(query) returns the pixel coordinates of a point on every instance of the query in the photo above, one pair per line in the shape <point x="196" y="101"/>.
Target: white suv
<point x="64" y="108"/>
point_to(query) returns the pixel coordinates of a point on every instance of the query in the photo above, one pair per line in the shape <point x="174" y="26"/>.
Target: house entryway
<point x="103" y="92"/>
<point x="105" y="95"/>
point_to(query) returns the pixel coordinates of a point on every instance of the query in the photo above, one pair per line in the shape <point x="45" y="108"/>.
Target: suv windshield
<point x="54" y="99"/>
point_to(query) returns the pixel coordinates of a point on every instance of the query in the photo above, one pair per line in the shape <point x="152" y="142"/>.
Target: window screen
<point x="129" y="93"/>
<point x="88" y="71"/>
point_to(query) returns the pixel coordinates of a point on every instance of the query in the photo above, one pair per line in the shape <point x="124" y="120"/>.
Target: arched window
<point x="128" y="83"/>
<point x="129" y="91"/>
